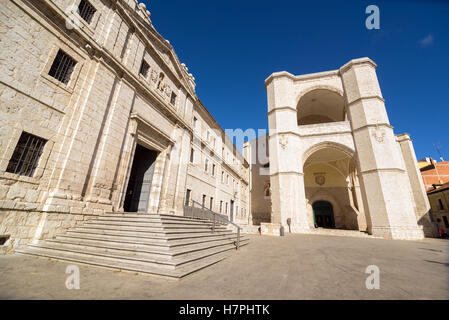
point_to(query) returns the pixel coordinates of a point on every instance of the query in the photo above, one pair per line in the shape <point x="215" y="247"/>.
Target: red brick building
<point x="434" y="172"/>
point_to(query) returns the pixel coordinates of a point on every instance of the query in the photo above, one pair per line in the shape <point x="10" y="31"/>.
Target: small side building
<point x="439" y="202"/>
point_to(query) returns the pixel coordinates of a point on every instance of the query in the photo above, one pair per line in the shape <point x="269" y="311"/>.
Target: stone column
<point x="172" y="199"/>
<point x="126" y="163"/>
<point x="422" y="206"/>
<point x="157" y="182"/>
<point x="286" y="174"/>
<point x="387" y="201"/>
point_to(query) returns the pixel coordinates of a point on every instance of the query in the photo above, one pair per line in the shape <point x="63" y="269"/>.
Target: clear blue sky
<point x="231" y="47"/>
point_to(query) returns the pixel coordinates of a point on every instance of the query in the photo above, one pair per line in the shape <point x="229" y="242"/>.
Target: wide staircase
<point x="165" y="245"/>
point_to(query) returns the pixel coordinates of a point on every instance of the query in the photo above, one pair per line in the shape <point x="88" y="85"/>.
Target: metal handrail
<point x="223" y="218"/>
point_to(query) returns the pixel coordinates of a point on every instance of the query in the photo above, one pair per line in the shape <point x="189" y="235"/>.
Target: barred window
<point x="173" y="98"/>
<point x="86" y="11"/>
<point x="26" y="155"/>
<point x="144" y="67"/>
<point x="62" y="67"/>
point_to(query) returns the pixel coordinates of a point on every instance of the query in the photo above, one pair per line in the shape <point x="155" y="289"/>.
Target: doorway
<point x="232" y="211"/>
<point x="323" y="214"/>
<point x="140" y="180"/>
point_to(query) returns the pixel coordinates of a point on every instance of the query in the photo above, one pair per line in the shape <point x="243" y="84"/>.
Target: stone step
<point x="131" y="221"/>
<point x="127" y="266"/>
<point x="139" y="250"/>
<point x="151" y="237"/>
<point x="149" y="243"/>
<point x="151" y="218"/>
<point x="154" y="225"/>
<point x="158" y="244"/>
<point x="159" y="261"/>
<point x="148" y="234"/>
<point x="341" y="232"/>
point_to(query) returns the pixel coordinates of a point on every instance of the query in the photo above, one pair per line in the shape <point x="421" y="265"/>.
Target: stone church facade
<point x="334" y="160"/>
<point x="97" y="115"/>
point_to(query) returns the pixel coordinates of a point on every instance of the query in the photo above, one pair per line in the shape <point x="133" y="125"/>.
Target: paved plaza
<point x="292" y="267"/>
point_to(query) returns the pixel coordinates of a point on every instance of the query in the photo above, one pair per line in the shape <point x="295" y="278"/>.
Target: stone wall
<point x="26" y="226"/>
<point x="93" y="122"/>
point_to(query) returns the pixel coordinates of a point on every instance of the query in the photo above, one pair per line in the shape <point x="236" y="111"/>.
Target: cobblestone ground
<point x="291" y="267"/>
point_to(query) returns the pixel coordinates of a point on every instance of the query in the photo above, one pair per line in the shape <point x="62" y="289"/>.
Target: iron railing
<point x="204" y="213"/>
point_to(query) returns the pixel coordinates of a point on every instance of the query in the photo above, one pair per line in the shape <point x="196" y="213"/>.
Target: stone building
<point x="334" y="160"/>
<point x="439" y="203"/>
<point x="97" y="114"/>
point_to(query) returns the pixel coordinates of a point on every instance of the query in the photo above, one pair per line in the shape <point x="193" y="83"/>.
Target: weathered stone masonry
<point x="127" y="88"/>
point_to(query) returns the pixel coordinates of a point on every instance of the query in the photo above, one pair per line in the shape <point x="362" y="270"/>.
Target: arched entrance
<point x="323" y="214"/>
<point x="331" y="187"/>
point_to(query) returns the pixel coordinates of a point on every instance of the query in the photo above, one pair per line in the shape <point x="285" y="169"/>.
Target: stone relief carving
<point x="320" y="178"/>
<point x="161" y="83"/>
<point x="167" y="90"/>
<point x="153" y="76"/>
<point x="283" y="140"/>
<point x="379" y="134"/>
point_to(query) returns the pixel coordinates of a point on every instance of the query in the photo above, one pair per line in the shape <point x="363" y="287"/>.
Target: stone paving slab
<point x="291" y="267"/>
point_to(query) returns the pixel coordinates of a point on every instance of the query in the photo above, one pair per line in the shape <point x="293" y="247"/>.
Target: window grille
<point x="62" y="67"/>
<point x="26" y="155"/>
<point x="86" y="11"/>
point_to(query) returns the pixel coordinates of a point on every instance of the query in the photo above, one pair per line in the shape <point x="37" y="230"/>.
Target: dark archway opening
<point x="140" y="180"/>
<point x="323" y="214"/>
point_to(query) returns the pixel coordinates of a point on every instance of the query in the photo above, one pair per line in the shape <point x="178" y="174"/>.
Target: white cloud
<point x="427" y="41"/>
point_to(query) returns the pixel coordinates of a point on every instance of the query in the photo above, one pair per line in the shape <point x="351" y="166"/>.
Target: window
<point x="144" y="67"/>
<point x="195" y="123"/>
<point x="211" y="203"/>
<point x="204" y="200"/>
<point x="205" y="165"/>
<point x="440" y="204"/>
<point x="213" y="169"/>
<point x="222" y="177"/>
<point x="188" y="194"/>
<point x="226" y="207"/>
<point x="207" y="135"/>
<point x="215" y="140"/>
<point x="221" y="206"/>
<point x="192" y="155"/>
<point x="446" y="223"/>
<point x="173" y="98"/>
<point x="26" y="155"/>
<point x="86" y="11"/>
<point x="62" y="67"/>
<point x="227" y="179"/>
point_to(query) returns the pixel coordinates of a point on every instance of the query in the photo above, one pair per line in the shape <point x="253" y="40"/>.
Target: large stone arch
<point x="339" y="159"/>
<point x="326" y="144"/>
<point x="311" y="88"/>
<point x="320" y="104"/>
